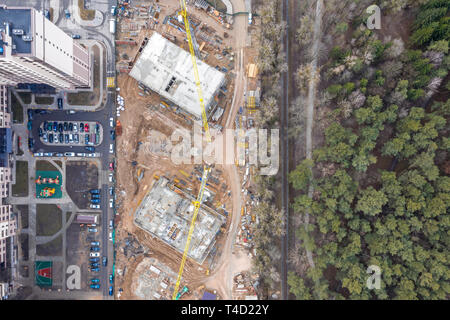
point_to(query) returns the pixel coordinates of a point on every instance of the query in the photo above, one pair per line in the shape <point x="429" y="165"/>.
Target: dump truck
<point x="181" y="293"/>
<point x="118" y="128"/>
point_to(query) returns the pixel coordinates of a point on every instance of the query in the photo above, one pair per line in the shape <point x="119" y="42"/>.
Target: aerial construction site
<point x="156" y="198"/>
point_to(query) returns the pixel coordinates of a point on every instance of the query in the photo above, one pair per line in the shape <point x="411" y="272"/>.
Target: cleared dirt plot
<point x="48" y="219"/>
<point x="20" y="189"/>
<point x="44" y="100"/>
<point x="26" y="97"/>
<point x="23" y="239"/>
<point x="17" y="109"/>
<point x="42" y="165"/>
<point x="23" y="211"/>
<point x="52" y="248"/>
<point x="81" y="177"/>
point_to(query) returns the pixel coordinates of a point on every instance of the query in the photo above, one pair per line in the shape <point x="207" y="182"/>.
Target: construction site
<point x="156" y="197"/>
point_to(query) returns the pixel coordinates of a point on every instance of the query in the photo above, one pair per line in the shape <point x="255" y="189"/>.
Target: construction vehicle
<point x="67" y="13"/>
<point x="182" y="293"/>
<point x="118" y="128"/>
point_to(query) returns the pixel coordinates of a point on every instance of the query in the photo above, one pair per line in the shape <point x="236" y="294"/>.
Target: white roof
<point x="163" y="66"/>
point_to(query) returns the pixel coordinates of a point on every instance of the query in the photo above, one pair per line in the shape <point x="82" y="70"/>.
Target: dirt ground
<point x="141" y="150"/>
<point x="83" y="176"/>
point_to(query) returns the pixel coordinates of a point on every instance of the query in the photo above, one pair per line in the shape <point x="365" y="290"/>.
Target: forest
<point x="381" y="175"/>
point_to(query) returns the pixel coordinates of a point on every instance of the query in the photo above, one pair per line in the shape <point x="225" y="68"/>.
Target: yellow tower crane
<point x="206" y="169"/>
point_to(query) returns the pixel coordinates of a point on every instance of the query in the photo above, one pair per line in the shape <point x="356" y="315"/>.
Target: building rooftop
<point x="167" y="215"/>
<point x="167" y="69"/>
<point x="18" y="19"/>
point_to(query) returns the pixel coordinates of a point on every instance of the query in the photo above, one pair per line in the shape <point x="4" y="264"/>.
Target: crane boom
<point x="206" y="170"/>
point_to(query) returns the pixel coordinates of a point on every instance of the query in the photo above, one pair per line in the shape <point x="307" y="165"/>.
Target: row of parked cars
<point x="65" y="154"/>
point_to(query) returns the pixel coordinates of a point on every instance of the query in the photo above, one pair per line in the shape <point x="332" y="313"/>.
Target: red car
<point x="111" y="166"/>
<point x="86" y="127"/>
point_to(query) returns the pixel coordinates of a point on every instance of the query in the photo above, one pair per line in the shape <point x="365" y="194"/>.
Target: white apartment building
<point x="7" y="221"/>
<point x="7" y="229"/>
<point x="34" y="50"/>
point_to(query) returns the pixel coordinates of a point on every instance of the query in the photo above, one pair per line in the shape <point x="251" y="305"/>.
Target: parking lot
<point x="87" y="134"/>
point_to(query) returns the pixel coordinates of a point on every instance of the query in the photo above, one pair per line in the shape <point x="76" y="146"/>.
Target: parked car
<point x="111" y="223"/>
<point x="75" y="138"/>
<point x="48" y="154"/>
<point x="95" y="270"/>
<point x="111" y="166"/>
<point x="50" y="138"/>
<point x="30" y="143"/>
<point x="81" y="127"/>
<point x="38" y="154"/>
<point x="86" y="127"/>
<point x="111" y="148"/>
<point x="94" y="191"/>
<point x="95" y="280"/>
<point x="94" y="254"/>
<point x="66" y="138"/>
<point x="71" y="111"/>
<point x="90" y="155"/>
<point x="111" y="291"/>
<point x="86" y="139"/>
<point x="110" y="178"/>
<point x="94" y="259"/>
<point x="66" y="126"/>
<point x="111" y="191"/>
<point x="95" y="243"/>
<point x="111" y="278"/>
<point x="60" y="127"/>
<point x="105" y="261"/>
<point x="49" y="126"/>
<point x="75" y="127"/>
<point x="111" y="203"/>
<point x="76" y="36"/>
<point x="95" y="196"/>
<point x="81" y="154"/>
<point x="94" y="206"/>
<point x="60" y="103"/>
<point x="45" y="137"/>
<point x="70" y="126"/>
<point x="61" y="138"/>
<point x="112" y="133"/>
<point x="97" y="127"/>
<point x="96" y="201"/>
<point x="95" y="248"/>
<point x="29" y="125"/>
<point x="59" y="155"/>
<point x="45" y="125"/>
<point x="70" y="138"/>
<point x="69" y="154"/>
<point x="55" y="126"/>
<point x="110" y="236"/>
<point x="30" y="114"/>
<point x="95" y="286"/>
<point x="92" y="229"/>
<point x="95" y="265"/>
<point x="111" y="122"/>
<point x="89" y="148"/>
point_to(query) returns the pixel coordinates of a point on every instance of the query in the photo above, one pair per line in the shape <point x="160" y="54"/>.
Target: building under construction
<point x="167" y="213"/>
<point x="167" y="69"/>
